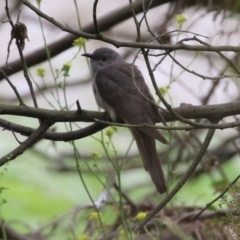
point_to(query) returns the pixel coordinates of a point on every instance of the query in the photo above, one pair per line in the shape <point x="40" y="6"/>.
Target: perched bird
<point x="120" y="89"/>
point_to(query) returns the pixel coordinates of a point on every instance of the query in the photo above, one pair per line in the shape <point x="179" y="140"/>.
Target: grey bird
<point x="120" y="89"/>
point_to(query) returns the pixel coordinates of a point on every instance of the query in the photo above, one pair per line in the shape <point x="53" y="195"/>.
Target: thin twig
<point x="14" y="134"/>
<point x="13" y="88"/>
<point x="168" y="106"/>
<point x="204" y="77"/>
<point x="145" y="10"/>
<point x="137" y="24"/>
<point x="79" y="109"/>
<point x="95" y="18"/>
<point x="13" y="29"/>
<point x="128" y="200"/>
<point x="183" y="31"/>
<point x="220" y="54"/>
<point x="218" y="197"/>
<point x="25" y="70"/>
<point x="184" y="128"/>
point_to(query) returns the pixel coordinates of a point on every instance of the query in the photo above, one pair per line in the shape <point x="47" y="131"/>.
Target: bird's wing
<point x="140" y="83"/>
<point x="116" y="86"/>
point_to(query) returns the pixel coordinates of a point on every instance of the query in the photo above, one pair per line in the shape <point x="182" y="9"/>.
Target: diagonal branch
<point x="13" y="88"/>
<point x="32" y="139"/>
<point x="217" y="198"/>
<point x="183" y="180"/>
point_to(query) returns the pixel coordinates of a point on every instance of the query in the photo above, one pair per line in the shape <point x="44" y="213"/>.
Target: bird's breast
<point x="102" y="103"/>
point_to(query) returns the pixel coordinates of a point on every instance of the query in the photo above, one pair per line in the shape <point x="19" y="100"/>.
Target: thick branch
<point x="190" y="112"/>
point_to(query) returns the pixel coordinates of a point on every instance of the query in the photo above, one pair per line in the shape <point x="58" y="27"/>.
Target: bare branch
<point x="133" y="44"/>
<point x="54" y="136"/>
<point x="183" y="180"/>
<point x="19" y="31"/>
<point x="95" y="17"/>
<point x="217" y="198"/>
<point x="13" y="88"/>
<point x="32" y="139"/>
<point x="189" y="112"/>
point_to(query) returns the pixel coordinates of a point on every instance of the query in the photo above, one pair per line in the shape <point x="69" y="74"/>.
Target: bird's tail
<point x="148" y="152"/>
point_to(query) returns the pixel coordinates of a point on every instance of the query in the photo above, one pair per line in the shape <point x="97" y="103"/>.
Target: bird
<point x="119" y="88"/>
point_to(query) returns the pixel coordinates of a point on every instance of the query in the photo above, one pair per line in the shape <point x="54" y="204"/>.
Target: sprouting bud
<point x="140" y="216"/>
<point x="180" y="19"/>
<point x="79" y="42"/>
<point x="66" y="68"/>
<point x="41" y="72"/>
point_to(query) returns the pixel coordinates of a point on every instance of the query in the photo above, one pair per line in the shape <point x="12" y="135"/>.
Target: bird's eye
<point x="104" y="58"/>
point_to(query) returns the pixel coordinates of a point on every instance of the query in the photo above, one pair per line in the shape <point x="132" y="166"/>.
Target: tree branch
<point x="60" y="136"/>
<point x="192" y="112"/>
<point x="183" y="180"/>
<point x="55" y="48"/>
<point x="170" y="47"/>
<point x="32" y="139"/>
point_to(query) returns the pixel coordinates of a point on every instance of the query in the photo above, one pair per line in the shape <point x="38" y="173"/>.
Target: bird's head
<point x="102" y="58"/>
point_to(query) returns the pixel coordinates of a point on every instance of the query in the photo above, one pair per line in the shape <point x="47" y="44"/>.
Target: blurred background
<point x="42" y="192"/>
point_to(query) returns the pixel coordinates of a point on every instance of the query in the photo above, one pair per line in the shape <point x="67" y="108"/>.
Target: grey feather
<point x="121" y="95"/>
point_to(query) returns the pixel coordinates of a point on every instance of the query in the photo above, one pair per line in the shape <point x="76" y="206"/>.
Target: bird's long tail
<point x="148" y="152"/>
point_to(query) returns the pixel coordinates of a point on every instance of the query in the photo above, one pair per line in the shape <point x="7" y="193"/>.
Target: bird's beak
<point x="89" y="55"/>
